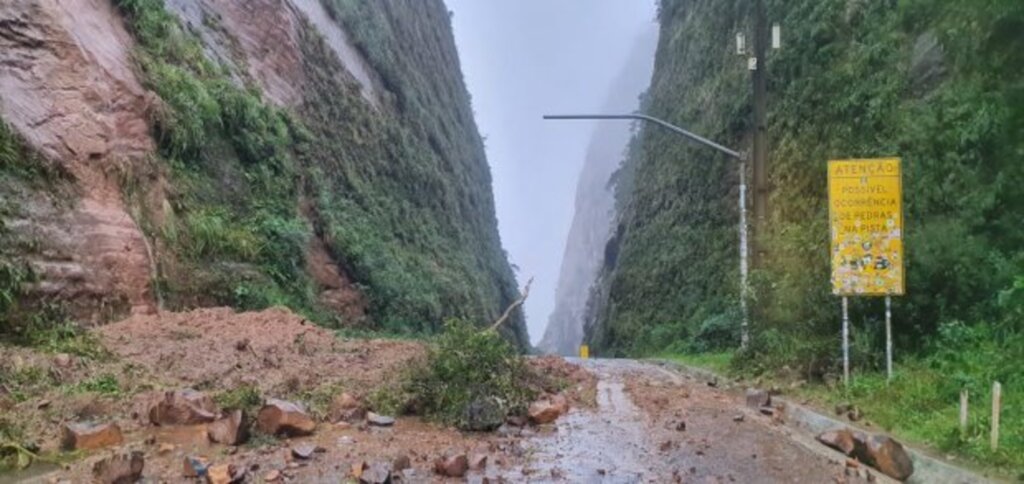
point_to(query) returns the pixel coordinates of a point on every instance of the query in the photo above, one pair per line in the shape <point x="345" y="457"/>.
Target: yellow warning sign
<point x="866" y="221"/>
<point x="584" y="351"/>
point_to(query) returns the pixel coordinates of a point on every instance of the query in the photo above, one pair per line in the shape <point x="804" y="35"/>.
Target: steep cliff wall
<point x="937" y="83"/>
<point x="594" y="207"/>
<point x="316" y="154"/>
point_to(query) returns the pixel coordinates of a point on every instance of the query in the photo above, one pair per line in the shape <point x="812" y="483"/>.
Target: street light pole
<point x="743" y="228"/>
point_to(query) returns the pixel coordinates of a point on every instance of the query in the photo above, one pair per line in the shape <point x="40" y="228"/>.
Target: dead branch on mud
<point x="515" y="304"/>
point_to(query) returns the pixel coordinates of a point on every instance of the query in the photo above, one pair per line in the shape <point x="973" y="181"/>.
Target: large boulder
<point x="183" y="407"/>
<point x="119" y="469"/>
<point x="885" y="454"/>
<point x="483" y="414"/>
<point x="280" y="417"/>
<point x="90" y="436"/>
<point x="231" y="429"/>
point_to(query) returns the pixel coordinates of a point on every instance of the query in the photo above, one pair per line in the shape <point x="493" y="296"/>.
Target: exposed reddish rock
<point x="454" y="466"/>
<point x="183" y="407"/>
<point x="841" y="440"/>
<point x="119" y="469"/>
<point x="547" y="409"/>
<point x="90" y="436"/>
<point x="231" y="429"/>
<point x="280" y="417"/>
<point x="345" y="408"/>
<point x="224" y="474"/>
<point x="885" y="454"/>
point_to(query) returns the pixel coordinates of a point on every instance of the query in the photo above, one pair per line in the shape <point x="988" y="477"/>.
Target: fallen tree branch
<point x="508" y="311"/>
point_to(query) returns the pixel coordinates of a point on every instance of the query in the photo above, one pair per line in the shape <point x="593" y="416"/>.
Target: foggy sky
<point x="523" y="59"/>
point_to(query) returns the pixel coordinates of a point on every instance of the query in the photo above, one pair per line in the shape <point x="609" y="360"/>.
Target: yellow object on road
<point x="584" y="351"/>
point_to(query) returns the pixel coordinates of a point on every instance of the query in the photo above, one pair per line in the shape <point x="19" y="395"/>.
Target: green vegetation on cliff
<point x="399" y="195"/>
<point x="940" y="84"/>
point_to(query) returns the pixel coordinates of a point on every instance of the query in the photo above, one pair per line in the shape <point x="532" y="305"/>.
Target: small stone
<point x="43" y="404"/>
<point x="232" y="429"/>
<point x="681" y="426"/>
<point x="757" y="398"/>
<point x="183" y="407"/>
<point x="119" y="469"/>
<point x="379" y="420"/>
<point x="854" y="414"/>
<point x="165" y="449"/>
<point x="272" y="475"/>
<point x="516" y="420"/>
<point x="224" y="474"/>
<point x="885" y="454"/>
<point x="376" y="473"/>
<point x="304" y="451"/>
<point x="345" y="408"/>
<point x="346" y="440"/>
<point x="478" y="462"/>
<point x="769" y="411"/>
<point x="738" y="417"/>
<point x="544" y="411"/>
<point x="358" y="468"/>
<point x="280" y="417"/>
<point x="194" y="466"/>
<point x="90" y="436"/>
<point x="842" y="408"/>
<point x="401" y="463"/>
<point x="454" y="466"/>
<point x="63" y="360"/>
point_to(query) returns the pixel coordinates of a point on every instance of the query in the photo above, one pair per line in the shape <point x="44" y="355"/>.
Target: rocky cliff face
<point x="594" y="208"/>
<point x="318" y="154"/>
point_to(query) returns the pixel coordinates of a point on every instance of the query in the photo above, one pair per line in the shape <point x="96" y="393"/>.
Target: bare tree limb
<point x="518" y="302"/>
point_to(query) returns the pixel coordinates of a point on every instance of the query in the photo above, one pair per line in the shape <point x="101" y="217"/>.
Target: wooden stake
<point x="997" y="403"/>
<point x="963" y="413"/>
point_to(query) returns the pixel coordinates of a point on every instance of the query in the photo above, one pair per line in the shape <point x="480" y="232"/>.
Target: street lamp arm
<point x="651" y="119"/>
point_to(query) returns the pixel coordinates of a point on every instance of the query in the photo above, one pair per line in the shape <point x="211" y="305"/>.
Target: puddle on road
<point x="609" y="445"/>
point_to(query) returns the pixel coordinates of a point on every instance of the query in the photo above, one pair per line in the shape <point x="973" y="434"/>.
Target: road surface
<point x="651" y="424"/>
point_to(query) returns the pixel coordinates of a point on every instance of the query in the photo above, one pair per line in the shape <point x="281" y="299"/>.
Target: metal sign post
<point x="866" y="224"/>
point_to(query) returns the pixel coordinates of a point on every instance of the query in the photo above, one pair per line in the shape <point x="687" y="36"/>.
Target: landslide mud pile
<point x="274" y="350"/>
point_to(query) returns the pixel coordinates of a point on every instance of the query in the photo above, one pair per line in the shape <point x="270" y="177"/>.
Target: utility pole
<point x="760" y="152"/>
<point x="741" y="157"/>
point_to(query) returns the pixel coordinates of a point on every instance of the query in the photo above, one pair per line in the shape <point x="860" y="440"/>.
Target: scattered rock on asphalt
<point x="272" y="475"/>
<point x="194" y="466"/>
<point x="379" y="420"/>
<point x="547" y="409"/>
<point x="90" y="436"/>
<point x="885" y="454"/>
<point x="478" y="462"/>
<point x="303" y="451"/>
<point x="454" y="466"/>
<point x="280" y="417"/>
<point x="484" y="414"/>
<point x="376" y="473"/>
<point x="757" y="398"/>
<point x="681" y="426"/>
<point x="401" y="463"/>
<point x="738" y="417"/>
<point x="769" y="411"/>
<point x="119" y="469"/>
<point x="345" y="408"/>
<point x="231" y="429"/>
<point x="841" y="440"/>
<point x="183" y="407"/>
<point x="225" y="474"/>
